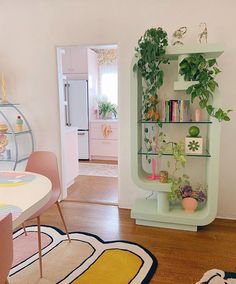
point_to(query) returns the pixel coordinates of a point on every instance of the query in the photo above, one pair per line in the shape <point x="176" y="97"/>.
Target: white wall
<point x="30" y="30"/>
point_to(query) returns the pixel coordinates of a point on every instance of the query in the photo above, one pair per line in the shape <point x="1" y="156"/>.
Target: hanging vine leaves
<point x="196" y="68"/>
<point x="151" y="54"/>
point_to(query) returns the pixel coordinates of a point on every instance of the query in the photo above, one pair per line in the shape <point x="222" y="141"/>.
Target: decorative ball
<point x="194" y="131"/>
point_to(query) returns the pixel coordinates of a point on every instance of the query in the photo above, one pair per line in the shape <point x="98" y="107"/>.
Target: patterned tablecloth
<point x="15" y="179"/>
<point x="7" y="208"/>
<point x="22" y="194"/>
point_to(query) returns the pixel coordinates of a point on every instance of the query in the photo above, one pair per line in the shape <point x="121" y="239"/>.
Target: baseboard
<point x="226" y="218"/>
<point x="103" y="158"/>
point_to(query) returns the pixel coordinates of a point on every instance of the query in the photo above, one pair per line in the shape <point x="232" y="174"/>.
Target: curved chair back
<point x="6" y="247"/>
<point x="45" y="163"/>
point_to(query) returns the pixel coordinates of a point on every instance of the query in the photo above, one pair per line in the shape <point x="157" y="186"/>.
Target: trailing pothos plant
<point x="197" y="68"/>
<point x="150" y="55"/>
<point x="178" y="162"/>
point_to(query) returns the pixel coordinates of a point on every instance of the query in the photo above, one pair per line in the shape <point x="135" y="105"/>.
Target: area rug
<point x="94" y="169"/>
<point x="86" y="260"/>
<point x="216" y="276"/>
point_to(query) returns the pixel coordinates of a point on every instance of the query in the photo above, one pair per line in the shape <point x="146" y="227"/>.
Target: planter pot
<point x="189" y="204"/>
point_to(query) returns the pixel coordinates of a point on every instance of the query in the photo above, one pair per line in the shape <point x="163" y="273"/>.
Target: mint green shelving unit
<point x="158" y="212"/>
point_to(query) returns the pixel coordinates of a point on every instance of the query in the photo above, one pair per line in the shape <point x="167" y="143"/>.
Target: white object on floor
<point x="94" y="169"/>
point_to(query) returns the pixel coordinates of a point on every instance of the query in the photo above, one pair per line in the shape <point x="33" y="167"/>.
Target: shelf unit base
<point x="146" y="212"/>
<point x="166" y="225"/>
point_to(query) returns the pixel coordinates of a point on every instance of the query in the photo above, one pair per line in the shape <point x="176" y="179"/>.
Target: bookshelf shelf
<point x="142" y="151"/>
<point x="175" y="122"/>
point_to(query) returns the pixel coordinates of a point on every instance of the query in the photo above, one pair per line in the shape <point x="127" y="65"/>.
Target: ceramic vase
<point x="189" y="204"/>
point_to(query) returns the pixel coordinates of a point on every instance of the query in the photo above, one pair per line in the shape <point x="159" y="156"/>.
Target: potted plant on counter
<point x="107" y="110"/>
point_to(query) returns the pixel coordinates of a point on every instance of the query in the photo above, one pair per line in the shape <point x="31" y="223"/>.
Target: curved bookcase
<point x="158" y="212"/>
<point x="9" y="112"/>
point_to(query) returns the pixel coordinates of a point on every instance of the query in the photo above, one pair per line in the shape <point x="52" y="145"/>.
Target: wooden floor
<point x="95" y="189"/>
<point x="183" y="256"/>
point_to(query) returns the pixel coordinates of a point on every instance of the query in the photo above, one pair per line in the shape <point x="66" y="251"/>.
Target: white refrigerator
<point x="77" y="113"/>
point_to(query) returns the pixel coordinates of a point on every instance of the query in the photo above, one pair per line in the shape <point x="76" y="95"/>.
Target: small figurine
<point x="203" y="34"/>
<point x="19" y="124"/>
<point x="178" y="36"/>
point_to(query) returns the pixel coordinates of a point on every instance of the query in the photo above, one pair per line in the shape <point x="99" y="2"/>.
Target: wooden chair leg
<point x="40" y="248"/>
<point x="63" y="221"/>
<point x="23" y="226"/>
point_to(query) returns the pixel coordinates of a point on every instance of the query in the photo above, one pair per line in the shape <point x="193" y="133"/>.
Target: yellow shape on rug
<point x="114" y="266"/>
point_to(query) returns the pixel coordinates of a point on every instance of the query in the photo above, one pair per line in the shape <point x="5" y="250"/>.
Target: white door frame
<point x="60" y="76"/>
<point x="60" y="51"/>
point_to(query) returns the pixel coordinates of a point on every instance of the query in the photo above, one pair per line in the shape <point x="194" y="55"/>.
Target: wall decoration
<point x="178" y="35"/>
<point x="203" y="34"/>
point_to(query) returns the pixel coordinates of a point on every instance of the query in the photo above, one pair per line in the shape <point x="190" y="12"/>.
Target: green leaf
<point x="217" y="70"/>
<point x="202" y="104"/>
<point x="211" y="85"/>
<point x="210" y="109"/>
<point x="189" y="90"/>
<point x="211" y="62"/>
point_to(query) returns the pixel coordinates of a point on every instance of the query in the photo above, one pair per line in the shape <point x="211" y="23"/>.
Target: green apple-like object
<point x="194" y="131"/>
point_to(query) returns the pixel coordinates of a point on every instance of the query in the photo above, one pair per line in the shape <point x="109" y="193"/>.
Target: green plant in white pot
<point x="107" y="109"/>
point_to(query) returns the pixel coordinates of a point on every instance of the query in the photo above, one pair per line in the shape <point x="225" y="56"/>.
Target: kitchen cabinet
<point x="81" y="63"/>
<point x="75" y="60"/>
<point x="71" y="155"/>
<point x="104" y="139"/>
<point x="159" y="212"/>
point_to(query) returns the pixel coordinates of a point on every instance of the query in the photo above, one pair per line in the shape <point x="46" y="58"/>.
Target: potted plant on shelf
<point x="191" y="198"/>
<point x="107" y="109"/>
<point x="150" y="55"/>
<point x="203" y="71"/>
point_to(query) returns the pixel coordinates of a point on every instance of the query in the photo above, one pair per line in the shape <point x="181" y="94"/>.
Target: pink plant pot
<point x="189" y="204"/>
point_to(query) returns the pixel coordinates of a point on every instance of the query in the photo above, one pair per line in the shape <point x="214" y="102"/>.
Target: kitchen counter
<point x="103" y="120"/>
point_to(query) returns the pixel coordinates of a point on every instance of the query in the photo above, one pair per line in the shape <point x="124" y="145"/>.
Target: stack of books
<point x="175" y="110"/>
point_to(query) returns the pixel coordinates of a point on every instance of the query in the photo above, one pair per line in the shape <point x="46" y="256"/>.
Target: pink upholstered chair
<point x="6" y="247"/>
<point x="45" y="163"/>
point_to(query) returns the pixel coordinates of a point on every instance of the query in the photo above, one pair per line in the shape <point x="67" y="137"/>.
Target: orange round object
<point x="3" y="128"/>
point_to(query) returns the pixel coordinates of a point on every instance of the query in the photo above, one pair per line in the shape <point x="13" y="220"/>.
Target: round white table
<point x="23" y="194"/>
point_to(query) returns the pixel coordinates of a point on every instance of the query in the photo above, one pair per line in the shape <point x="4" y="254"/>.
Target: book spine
<point x="167" y="111"/>
<point x="181" y="116"/>
<point x="186" y="110"/>
<point x="178" y="111"/>
<point x="174" y="111"/>
<point x="163" y="113"/>
<point x="170" y="110"/>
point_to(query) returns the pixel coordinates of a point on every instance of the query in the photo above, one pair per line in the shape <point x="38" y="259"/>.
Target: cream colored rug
<point x="94" y="169"/>
<point x="86" y="260"/>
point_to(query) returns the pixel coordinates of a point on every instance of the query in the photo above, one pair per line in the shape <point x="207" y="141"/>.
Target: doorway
<point x="88" y="91"/>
